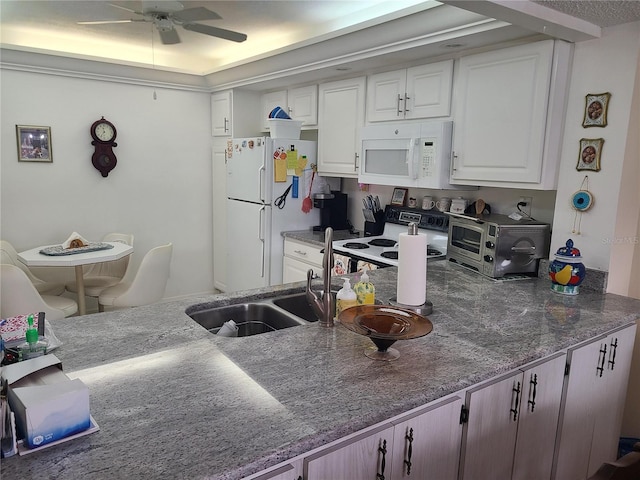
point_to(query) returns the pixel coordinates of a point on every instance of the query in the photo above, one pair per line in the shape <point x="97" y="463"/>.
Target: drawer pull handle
<point x="534" y="383"/>
<point x="602" y="356"/>
<point x="612" y="353"/>
<point x="514" y="410"/>
<point x="300" y="252"/>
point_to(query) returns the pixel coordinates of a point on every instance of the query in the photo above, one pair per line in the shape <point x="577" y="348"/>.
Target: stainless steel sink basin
<point x="298" y="305"/>
<point x="252" y="318"/>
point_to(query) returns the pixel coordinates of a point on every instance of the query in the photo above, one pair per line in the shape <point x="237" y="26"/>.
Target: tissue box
<point x="48" y="406"/>
<point x="281" y="128"/>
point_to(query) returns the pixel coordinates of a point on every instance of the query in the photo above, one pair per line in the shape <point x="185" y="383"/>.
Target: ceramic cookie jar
<point x="567" y="271"/>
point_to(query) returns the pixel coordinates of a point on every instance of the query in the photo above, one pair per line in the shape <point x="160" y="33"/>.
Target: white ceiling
<point x="272" y="26"/>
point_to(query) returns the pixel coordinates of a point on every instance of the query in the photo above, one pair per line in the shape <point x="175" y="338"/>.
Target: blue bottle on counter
<point x="567" y="271"/>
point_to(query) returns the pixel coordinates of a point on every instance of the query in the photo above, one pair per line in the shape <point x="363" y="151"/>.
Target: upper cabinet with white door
<point x="233" y="113"/>
<point x="340" y="115"/>
<point x="509" y="108"/>
<point x="416" y="92"/>
<point x="300" y="103"/>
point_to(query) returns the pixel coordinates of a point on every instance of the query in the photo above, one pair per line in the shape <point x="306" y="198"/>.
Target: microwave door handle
<point x="411" y="161"/>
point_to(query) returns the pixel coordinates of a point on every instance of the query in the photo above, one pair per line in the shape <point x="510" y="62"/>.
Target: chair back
<point x="9" y="255"/>
<point x="150" y="281"/>
<point x="18" y="296"/>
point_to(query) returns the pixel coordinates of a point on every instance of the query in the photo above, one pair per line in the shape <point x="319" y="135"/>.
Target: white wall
<point x="604" y="65"/>
<point x="160" y="190"/>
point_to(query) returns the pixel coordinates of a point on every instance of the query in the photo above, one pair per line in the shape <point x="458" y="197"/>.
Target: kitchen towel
<point x="412" y="269"/>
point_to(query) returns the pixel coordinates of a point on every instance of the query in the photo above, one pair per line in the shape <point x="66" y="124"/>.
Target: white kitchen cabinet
<point x="591" y="416"/>
<point x="219" y="171"/>
<point x="509" y="107"/>
<point x="234" y="113"/>
<point x="417" y="92"/>
<point x="364" y="457"/>
<point x="300" y="103"/>
<point x="427" y="444"/>
<point x="512" y="422"/>
<point x="298" y="258"/>
<point x="341" y="107"/>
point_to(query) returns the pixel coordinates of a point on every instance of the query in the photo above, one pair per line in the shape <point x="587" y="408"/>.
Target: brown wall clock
<point x="104" y="135"/>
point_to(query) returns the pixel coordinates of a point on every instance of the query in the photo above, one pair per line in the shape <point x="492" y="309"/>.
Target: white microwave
<point x="406" y="154"/>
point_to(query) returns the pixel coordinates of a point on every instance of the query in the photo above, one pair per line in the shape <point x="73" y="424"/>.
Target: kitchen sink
<point x="298" y="305"/>
<point x="251" y="318"/>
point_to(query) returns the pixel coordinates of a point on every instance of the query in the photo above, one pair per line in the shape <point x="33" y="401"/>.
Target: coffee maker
<point x="333" y="210"/>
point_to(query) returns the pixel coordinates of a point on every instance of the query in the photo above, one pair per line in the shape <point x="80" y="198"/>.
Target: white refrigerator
<point x="257" y="210"/>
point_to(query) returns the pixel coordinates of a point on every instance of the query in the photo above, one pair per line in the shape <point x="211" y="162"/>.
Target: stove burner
<point x="356" y="245"/>
<point x="433" y="252"/>
<point x="382" y="242"/>
<point x="392" y="254"/>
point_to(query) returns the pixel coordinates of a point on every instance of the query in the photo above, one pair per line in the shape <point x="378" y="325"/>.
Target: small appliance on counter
<point x="333" y="211"/>
<point x="496" y="245"/>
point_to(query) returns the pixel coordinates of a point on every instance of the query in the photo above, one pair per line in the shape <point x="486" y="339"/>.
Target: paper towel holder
<point x="425" y="309"/>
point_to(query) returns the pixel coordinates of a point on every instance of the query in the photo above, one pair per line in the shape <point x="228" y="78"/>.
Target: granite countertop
<point x="174" y="401"/>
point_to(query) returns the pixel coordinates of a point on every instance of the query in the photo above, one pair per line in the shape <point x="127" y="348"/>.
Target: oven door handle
<point x="531" y="250"/>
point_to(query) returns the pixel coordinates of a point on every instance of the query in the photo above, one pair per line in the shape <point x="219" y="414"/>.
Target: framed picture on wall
<point x="590" y="151"/>
<point x="34" y="143"/>
<point x="595" y="110"/>
<point x="399" y="196"/>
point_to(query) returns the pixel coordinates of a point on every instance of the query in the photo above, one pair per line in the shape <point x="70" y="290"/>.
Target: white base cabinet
<point x="423" y="445"/>
<point x="594" y="401"/>
<point x="298" y="258"/>
<point x="509" y="116"/>
<point x="512" y="423"/>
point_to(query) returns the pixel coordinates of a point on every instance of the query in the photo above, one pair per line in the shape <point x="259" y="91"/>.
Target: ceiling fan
<point x="166" y="15"/>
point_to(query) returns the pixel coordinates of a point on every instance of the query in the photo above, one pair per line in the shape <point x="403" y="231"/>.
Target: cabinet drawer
<point x="303" y="251"/>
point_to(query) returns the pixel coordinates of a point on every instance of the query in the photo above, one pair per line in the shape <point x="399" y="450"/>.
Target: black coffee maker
<point x="333" y="210"/>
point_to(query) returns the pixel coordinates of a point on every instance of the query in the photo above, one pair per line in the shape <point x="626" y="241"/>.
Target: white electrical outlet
<point x="526" y="208"/>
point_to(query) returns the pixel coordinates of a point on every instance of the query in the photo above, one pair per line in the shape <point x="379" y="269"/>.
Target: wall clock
<point x="104" y="135"/>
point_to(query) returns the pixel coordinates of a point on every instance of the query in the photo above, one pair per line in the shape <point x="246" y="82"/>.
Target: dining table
<point x="56" y="256"/>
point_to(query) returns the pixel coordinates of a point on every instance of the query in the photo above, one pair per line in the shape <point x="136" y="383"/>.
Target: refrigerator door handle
<point x="261" y="172"/>
<point x="261" y="237"/>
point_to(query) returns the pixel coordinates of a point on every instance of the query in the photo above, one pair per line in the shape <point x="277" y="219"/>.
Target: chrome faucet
<point x="323" y="305"/>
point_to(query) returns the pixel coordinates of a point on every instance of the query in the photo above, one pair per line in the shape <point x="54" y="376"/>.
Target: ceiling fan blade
<point x="195" y="14"/>
<point x="105" y="22"/>
<point x="125" y="8"/>
<point x="169" y="37"/>
<point x="215" y="32"/>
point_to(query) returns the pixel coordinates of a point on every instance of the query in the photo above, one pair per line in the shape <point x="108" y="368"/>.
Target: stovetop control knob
<point x="488" y="258"/>
<point x="489" y="244"/>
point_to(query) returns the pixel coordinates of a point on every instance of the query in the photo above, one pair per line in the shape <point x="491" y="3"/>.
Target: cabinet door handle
<point x="602" y="356"/>
<point x="514" y="410"/>
<point x="226" y="122"/>
<point x="355" y="161"/>
<point x="406" y="97"/>
<point x="407" y="462"/>
<point x="399" y="112"/>
<point x="383" y="463"/>
<point x="532" y="395"/>
<point x="612" y="353"/>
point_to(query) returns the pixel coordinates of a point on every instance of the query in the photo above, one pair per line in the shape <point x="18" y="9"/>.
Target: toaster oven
<point x="496" y="245"/>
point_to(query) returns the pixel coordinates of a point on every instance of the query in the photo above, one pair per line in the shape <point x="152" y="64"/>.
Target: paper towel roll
<point x="412" y="269"/>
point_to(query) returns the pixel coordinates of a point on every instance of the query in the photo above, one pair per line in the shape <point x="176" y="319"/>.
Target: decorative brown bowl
<point x="384" y="325"/>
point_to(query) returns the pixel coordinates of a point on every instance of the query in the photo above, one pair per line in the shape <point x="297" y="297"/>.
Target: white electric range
<point x="382" y="250"/>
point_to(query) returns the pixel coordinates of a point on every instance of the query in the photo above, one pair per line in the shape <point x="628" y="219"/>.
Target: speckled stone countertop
<point x="317" y="238"/>
<point x="174" y="401"/>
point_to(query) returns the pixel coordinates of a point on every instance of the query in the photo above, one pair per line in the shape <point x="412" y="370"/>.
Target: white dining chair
<point x="144" y="287"/>
<point x="9" y="255"/>
<point x="100" y="276"/>
<point x="18" y="296"/>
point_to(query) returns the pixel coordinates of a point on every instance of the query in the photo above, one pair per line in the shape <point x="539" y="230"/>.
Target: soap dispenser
<point x="365" y="290"/>
<point x="34" y="345"/>
<point x="346" y="297"/>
